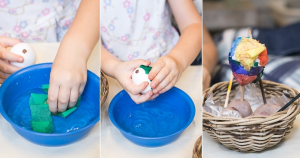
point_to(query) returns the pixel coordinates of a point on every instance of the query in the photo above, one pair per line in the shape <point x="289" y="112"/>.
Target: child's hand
<point x="67" y="81"/>
<point x="123" y="73"/>
<point x="6" y="56"/>
<point x="164" y="74"/>
<point x="206" y="78"/>
<point x="69" y="70"/>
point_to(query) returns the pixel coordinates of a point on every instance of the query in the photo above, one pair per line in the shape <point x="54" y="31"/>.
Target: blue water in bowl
<point x="20" y="113"/>
<point x="151" y="120"/>
<point x="153" y="123"/>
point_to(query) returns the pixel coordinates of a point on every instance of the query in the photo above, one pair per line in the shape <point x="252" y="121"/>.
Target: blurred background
<point x="275" y="23"/>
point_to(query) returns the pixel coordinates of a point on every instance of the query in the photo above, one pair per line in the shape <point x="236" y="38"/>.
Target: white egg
<point x="26" y="51"/>
<point x="139" y="76"/>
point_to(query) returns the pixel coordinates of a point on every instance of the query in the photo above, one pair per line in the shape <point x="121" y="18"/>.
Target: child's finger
<point x="136" y="89"/>
<point x="73" y="97"/>
<point x="9" y="42"/>
<point x="4" y="75"/>
<point x="7" y="68"/>
<point x="81" y="88"/>
<point x="156" y="68"/>
<point x="141" y="98"/>
<point x="7" y="55"/>
<point x="168" y="86"/>
<point x="2" y="80"/>
<point x="63" y="98"/>
<point x="137" y="63"/>
<point x="160" y="77"/>
<point x="52" y="97"/>
<point x="154" y="96"/>
<point x="165" y="82"/>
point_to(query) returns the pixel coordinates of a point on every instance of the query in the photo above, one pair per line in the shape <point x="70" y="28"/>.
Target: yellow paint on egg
<point x="247" y="51"/>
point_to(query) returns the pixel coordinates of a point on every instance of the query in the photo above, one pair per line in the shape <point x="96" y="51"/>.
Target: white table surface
<point x="289" y="147"/>
<point x="114" y="145"/>
<point x="13" y="145"/>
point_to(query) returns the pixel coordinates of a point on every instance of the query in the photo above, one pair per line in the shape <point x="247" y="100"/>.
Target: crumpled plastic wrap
<point x="215" y="108"/>
<point x="252" y="95"/>
<point x="282" y="100"/>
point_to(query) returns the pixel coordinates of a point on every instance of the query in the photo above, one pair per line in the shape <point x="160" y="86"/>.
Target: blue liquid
<point x="151" y="120"/>
<point x="20" y="113"/>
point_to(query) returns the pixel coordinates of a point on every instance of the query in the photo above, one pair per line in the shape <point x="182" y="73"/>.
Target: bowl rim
<point x="7" y="118"/>
<point x="193" y="111"/>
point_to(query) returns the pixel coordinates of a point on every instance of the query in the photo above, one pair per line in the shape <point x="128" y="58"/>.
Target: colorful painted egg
<point x="140" y="75"/>
<point x="26" y="51"/>
<point x="247" y="59"/>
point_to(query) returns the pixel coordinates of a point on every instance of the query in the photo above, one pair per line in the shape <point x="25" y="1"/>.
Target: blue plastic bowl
<point x="39" y="74"/>
<point x="121" y="103"/>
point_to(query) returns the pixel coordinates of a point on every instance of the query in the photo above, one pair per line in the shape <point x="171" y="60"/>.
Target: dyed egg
<point x="26" y="51"/>
<point x="243" y="108"/>
<point x="140" y="75"/>
<point x="266" y="109"/>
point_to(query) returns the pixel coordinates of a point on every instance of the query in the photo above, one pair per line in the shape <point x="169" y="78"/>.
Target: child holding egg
<point x="135" y="33"/>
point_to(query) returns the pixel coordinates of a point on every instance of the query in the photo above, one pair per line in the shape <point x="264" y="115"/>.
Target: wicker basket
<point x="197" y="152"/>
<point x="253" y="133"/>
<point x="104" y="89"/>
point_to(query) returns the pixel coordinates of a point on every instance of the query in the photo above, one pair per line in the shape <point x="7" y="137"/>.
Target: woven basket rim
<point x="250" y="119"/>
<point x="197" y="151"/>
<point x="103" y="88"/>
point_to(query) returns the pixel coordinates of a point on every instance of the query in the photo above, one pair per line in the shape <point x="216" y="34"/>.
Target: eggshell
<point x="26" y="51"/>
<point x="243" y="108"/>
<point x="139" y="76"/>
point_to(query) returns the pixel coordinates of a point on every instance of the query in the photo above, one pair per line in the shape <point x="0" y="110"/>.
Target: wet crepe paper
<point x="41" y="120"/>
<point x="45" y="87"/>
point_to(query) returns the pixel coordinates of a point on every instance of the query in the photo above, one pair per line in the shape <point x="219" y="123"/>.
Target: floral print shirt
<point x="37" y="20"/>
<point x="137" y="29"/>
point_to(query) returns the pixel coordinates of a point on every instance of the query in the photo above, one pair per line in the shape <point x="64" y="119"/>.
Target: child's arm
<point x="6" y="56"/>
<point x="167" y="70"/>
<point x="210" y="54"/>
<point x="122" y="72"/>
<point x="69" y="71"/>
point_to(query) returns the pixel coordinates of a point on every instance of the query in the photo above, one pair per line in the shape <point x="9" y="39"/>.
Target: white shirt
<point x="137" y="29"/>
<point x="37" y="20"/>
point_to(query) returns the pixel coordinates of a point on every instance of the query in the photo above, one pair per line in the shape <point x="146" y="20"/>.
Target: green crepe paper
<point x="40" y="112"/>
<point x="146" y="68"/>
<point x="42" y="126"/>
<point x="41" y="120"/>
<point x="66" y="113"/>
<point x="38" y="99"/>
<point x="45" y="87"/>
<point x="69" y="111"/>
